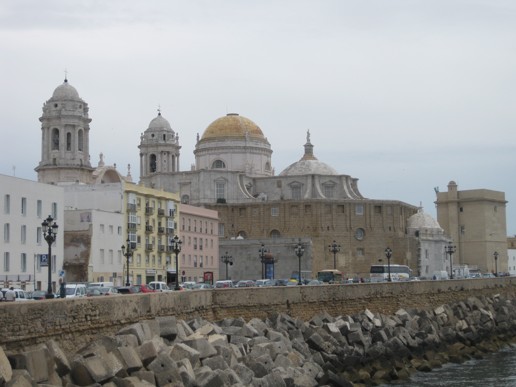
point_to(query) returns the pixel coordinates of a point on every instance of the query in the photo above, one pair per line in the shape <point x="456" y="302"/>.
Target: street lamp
<point x="127" y="254"/>
<point x="495" y="254"/>
<point x="176" y="248"/>
<point x="227" y="259"/>
<point x="334" y="248"/>
<point x="50" y="235"/>
<point x="388" y="254"/>
<point x="262" y="252"/>
<point x="299" y="250"/>
<point x="450" y="249"/>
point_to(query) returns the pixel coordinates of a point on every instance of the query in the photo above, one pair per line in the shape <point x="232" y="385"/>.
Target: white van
<point x="159" y="286"/>
<point x="75" y="290"/>
<point x="100" y="284"/>
<point x="19" y="294"/>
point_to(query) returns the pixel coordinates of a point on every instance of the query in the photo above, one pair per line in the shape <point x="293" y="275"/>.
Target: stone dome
<point x="422" y="220"/>
<point x="159" y="123"/>
<point x="308" y="167"/>
<point x="232" y="126"/>
<point x="65" y="92"/>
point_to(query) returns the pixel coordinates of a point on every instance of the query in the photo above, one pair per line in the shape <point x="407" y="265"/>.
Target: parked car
<point x="145" y="288"/>
<point x="129" y="289"/>
<point x="263" y="282"/>
<point x="108" y="291"/>
<point x="245" y="284"/>
<point x="159" y="286"/>
<point x="224" y="284"/>
<point x="75" y="290"/>
<point x="39" y="295"/>
<point x="19" y="294"/>
<point x="93" y="292"/>
<point x="315" y="282"/>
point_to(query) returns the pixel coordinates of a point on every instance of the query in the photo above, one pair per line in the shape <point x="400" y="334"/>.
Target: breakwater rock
<point x="363" y="349"/>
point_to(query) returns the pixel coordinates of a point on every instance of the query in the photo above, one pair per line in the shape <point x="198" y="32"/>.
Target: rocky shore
<point x="366" y="349"/>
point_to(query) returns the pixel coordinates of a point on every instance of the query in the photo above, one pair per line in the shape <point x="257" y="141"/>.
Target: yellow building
<point x="151" y="224"/>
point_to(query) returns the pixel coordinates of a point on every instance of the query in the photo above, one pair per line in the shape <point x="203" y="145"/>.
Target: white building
<point x="26" y="204"/>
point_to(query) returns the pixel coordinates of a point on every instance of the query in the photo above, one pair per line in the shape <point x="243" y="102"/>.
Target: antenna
<point x="14" y="170"/>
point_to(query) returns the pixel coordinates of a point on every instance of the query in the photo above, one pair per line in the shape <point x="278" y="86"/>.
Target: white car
<point x="19" y="294"/>
<point x="159" y="286"/>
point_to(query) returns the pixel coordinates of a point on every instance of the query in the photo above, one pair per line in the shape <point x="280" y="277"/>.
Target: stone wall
<point x="75" y="322"/>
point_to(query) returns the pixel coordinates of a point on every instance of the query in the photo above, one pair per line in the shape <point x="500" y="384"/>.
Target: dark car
<point x="39" y="295"/>
<point x="129" y="289"/>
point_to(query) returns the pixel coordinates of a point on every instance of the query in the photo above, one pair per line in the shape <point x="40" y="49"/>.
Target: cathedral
<point x="309" y="200"/>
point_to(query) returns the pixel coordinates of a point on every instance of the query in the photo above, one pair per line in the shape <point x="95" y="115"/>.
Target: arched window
<point x="218" y="164"/>
<point x="275" y="234"/>
<point x="80" y="140"/>
<point x="68" y="141"/>
<point x="55" y="139"/>
<point x="185" y="199"/>
<point x="152" y="164"/>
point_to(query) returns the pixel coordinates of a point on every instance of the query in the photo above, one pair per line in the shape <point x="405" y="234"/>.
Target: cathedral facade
<point x="234" y="175"/>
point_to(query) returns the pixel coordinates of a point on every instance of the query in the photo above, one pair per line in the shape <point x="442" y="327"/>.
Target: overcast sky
<point x="403" y="95"/>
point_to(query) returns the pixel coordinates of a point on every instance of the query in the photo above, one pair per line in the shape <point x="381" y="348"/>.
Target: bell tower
<point x="65" y="129"/>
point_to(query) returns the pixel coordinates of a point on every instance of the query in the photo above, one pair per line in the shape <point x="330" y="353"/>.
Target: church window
<point x="359" y="209"/>
<point x="68" y="141"/>
<point x="359" y="234"/>
<point x="55" y="139"/>
<point x="275" y="234"/>
<point x="296" y="192"/>
<point x="329" y="190"/>
<point x="220" y="190"/>
<point x="80" y="141"/>
<point x="152" y="163"/>
<point x="218" y="164"/>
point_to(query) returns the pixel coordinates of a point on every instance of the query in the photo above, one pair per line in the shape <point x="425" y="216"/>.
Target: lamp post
<point x="334" y="248"/>
<point x="227" y="259"/>
<point x="450" y="249"/>
<point x="262" y="252"/>
<point x="299" y="250"/>
<point x="176" y="248"/>
<point x="495" y="254"/>
<point x="388" y="254"/>
<point x="127" y="254"/>
<point x="50" y="235"/>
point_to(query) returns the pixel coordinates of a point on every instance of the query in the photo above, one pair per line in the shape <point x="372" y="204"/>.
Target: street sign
<point x="61" y="273"/>
<point x="43" y="259"/>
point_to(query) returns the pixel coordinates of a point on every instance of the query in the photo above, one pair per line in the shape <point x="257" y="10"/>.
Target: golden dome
<point x="233" y="126"/>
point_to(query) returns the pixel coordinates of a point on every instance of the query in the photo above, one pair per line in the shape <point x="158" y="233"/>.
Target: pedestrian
<point x="10" y="295"/>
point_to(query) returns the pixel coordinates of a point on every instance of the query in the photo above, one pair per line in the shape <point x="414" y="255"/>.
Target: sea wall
<point x="74" y="322"/>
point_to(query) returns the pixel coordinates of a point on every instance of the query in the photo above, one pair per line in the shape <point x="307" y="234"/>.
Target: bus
<point x="380" y="273"/>
<point x="330" y="276"/>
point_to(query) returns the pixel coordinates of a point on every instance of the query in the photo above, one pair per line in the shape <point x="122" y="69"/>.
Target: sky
<point x="405" y="95"/>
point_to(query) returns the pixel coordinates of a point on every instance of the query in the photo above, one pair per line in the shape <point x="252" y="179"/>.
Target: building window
<point x="7" y="261"/>
<point x="195" y="261"/>
<point x="111" y="257"/>
<point x="360" y="252"/>
<point x="68" y="141"/>
<point x="39" y="235"/>
<point x="55" y="139"/>
<point x="23" y="262"/>
<point x="462" y="230"/>
<point x="296" y="192"/>
<point x="218" y="164"/>
<point x="221" y="229"/>
<point x="7" y="204"/>
<point x="359" y="209"/>
<point x="102" y="228"/>
<point x="24" y="206"/>
<point x="102" y="258"/>
<point x="377" y="209"/>
<point x="54" y="211"/>
<point x="359" y="234"/>
<point x="80" y="141"/>
<point x="220" y="190"/>
<point x="329" y="190"/>
<point x="275" y="234"/>
<point x="39" y="206"/>
<point x="111" y="229"/>
<point x="23" y="234"/>
<point x="274" y="211"/>
<point x="7" y="232"/>
<point x="152" y="165"/>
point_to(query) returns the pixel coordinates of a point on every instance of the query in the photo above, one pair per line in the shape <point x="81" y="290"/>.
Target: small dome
<point x="232" y="125"/>
<point x="66" y="92"/>
<point x="160" y="123"/>
<point x="308" y="167"/>
<point x="422" y="220"/>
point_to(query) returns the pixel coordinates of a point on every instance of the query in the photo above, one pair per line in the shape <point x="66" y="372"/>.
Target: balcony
<point x="161" y="248"/>
<point x="161" y="230"/>
<point x="170" y="248"/>
<point x="131" y="226"/>
<point x="170" y="231"/>
<point x="131" y="207"/>
<point x="149" y="247"/>
<point x="149" y="210"/>
<point x="161" y="212"/>
<point x="149" y="228"/>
